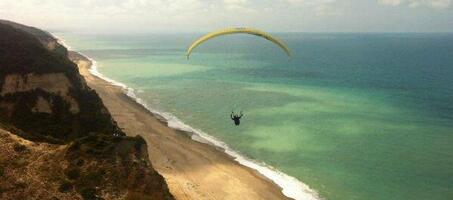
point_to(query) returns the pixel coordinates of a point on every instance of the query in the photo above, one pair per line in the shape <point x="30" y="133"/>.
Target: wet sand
<point x="193" y="170"/>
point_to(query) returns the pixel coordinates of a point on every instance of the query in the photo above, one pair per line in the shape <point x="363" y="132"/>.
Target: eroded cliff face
<point x="52" y="83"/>
<point x="42" y="92"/>
<point x="57" y="139"/>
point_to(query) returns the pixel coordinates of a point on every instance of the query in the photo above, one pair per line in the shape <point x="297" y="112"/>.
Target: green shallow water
<point x="354" y="116"/>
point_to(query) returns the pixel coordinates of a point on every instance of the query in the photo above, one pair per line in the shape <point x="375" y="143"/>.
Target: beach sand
<point x="193" y="170"/>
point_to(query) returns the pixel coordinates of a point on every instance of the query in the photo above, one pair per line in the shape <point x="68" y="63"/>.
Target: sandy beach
<point x="193" y="170"/>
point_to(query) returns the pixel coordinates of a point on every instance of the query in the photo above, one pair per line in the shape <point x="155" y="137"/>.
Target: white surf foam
<point x="291" y="187"/>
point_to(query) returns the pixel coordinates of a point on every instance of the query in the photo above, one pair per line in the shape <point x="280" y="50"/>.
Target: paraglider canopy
<point x="236" y="31"/>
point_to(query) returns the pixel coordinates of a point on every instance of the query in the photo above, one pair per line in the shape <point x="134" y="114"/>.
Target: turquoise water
<point x="354" y="116"/>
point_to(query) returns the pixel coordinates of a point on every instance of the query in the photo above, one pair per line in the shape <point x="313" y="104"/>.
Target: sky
<point x="143" y="16"/>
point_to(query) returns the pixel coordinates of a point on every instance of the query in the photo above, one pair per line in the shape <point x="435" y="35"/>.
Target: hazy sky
<point x="204" y="15"/>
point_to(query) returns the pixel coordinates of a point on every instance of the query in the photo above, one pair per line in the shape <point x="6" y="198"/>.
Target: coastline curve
<point x="291" y="187"/>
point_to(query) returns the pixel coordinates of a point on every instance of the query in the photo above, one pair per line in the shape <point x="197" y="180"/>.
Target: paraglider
<point x="236" y="118"/>
<point x="236" y="31"/>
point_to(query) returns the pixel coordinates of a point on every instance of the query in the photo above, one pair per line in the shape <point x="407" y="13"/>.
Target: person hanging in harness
<point x="236" y="118"/>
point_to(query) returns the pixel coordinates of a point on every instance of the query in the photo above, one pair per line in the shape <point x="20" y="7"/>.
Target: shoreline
<point x="288" y="186"/>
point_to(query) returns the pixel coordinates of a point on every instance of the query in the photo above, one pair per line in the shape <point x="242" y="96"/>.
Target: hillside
<point x="44" y="37"/>
<point x="57" y="139"/>
<point x="43" y="94"/>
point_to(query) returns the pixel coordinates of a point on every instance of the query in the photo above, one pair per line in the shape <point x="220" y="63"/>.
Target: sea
<point x="349" y="116"/>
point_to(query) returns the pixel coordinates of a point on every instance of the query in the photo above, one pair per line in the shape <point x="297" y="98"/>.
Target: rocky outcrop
<point x="42" y="92"/>
<point x="20" y="83"/>
<point x="57" y="139"/>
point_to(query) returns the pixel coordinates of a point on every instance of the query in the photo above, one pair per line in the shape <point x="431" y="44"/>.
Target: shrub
<point x="80" y="162"/>
<point x="94" y="177"/>
<point x="88" y="193"/>
<point x="2" y="170"/>
<point x="65" y="187"/>
<point x="73" y="173"/>
<point x="19" y="148"/>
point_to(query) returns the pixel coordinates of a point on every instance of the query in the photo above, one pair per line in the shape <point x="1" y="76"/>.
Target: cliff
<point x="42" y="92"/>
<point x="44" y="37"/>
<point x="57" y="139"/>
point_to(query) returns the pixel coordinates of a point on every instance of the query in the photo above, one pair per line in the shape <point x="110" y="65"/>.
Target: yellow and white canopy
<point x="228" y="31"/>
